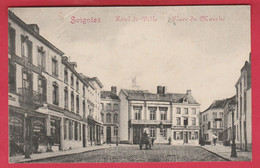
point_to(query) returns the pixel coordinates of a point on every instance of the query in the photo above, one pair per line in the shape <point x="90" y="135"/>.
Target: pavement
<point x="131" y="153"/>
<point x="225" y="152"/>
<point x="45" y="155"/>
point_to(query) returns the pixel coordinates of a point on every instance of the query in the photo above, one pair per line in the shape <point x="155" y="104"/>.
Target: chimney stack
<point x="164" y="89"/>
<point x="159" y="89"/>
<point x="188" y="92"/>
<point x="113" y="89"/>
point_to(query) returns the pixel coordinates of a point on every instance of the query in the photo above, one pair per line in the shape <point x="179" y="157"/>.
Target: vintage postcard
<point x="129" y="84"/>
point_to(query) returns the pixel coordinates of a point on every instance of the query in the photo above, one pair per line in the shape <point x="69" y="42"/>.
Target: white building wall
<point x="123" y="129"/>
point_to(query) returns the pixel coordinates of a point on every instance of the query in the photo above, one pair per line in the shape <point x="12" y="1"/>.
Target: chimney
<point x="159" y="90"/>
<point x="34" y="27"/>
<point x="188" y="92"/>
<point x="113" y="89"/>
<point x="165" y="90"/>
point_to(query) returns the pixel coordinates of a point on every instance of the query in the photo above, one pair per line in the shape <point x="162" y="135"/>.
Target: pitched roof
<point x="216" y="104"/>
<point x="146" y="95"/>
<point x="109" y="94"/>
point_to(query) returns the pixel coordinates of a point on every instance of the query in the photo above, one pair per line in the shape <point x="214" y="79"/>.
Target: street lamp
<point x="231" y="107"/>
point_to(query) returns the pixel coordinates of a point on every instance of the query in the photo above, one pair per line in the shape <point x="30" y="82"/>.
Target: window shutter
<point x="57" y="98"/>
<point x="30" y="47"/>
<point x="44" y="61"/>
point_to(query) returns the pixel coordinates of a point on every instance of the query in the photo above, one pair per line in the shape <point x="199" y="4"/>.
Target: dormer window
<point x="185" y="100"/>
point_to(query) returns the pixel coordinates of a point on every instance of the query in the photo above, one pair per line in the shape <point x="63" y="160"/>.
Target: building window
<point x="115" y="118"/>
<point x="12" y="77"/>
<point x="42" y="88"/>
<point x="41" y="58"/>
<point x="84" y="108"/>
<point x="76" y="129"/>
<point x="108" y="118"/>
<point x="65" y="128"/>
<point x="72" y="81"/>
<point x="66" y="97"/>
<point x="11" y="40"/>
<point x="66" y="76"/>
<point x="55" y="93"/>
<point x="102" y="117"/>
<point x="185" y="121"/>
<point x="80" y="131"/>
<point x="27" y="80"/>
<point x="77" y="85"/>
<point x="220" y="124"/>
<point x="178" y="119"/>
<point x="137" y="113"/>
<point x="178" y="110"/>
<point x="70" y="129"/>
<point x="115" y="131"/>
<point x="215" y="114"/>
<point x="77" y="103"/>
<point x="108" y="106"/>
<point x="193" y="111"/>
<point x="72" y="101"/>
<point x="83" y="88"/>
<point x="214" y="124"/>
<point x="178" y="135"/>
<point x="186" y="111"/>
<point x="116" y="106"/>
<point x="54" y="67"/>
<point x="26" y="48"/>
<point x="152" y="132"/>
<point x="220" y="115"/>
<point x="152" y="113"/>
<point x="193" y="121"/>
<point x="163" y="115"/>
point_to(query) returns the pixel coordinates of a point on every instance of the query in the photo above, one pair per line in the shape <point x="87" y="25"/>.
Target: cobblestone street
<point x="158" y="153"/>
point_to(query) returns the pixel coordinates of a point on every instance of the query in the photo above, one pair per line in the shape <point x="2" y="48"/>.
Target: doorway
<point x="185" y="137"/>
<point x="84" y="135"/>
<point x="108" y="134"/>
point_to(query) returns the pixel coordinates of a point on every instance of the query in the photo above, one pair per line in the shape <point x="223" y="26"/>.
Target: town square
<point x="129" y="84"/>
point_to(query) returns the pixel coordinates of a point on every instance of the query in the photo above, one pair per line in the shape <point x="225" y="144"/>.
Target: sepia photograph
<point x="129" y="84"/>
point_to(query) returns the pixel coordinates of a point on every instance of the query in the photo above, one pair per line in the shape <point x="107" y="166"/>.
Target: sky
<point x="203" y="56"/>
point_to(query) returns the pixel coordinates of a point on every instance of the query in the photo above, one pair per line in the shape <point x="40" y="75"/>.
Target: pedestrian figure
<point x="145" y="134"/>
<point x="169" y="140"/>
<point x="214" y="141"/>
<point x="152" y="140"/>
<point x="36" y="142"/>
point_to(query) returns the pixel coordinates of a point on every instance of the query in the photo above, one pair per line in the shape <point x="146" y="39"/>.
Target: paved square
<point x="132" y="153"/>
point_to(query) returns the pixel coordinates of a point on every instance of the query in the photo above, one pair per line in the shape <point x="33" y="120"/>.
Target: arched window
<point x="115" y="118"/>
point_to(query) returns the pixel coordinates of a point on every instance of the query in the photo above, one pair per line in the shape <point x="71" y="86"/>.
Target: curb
<point x="47" y="157"/>
<point x="226" y="159"/>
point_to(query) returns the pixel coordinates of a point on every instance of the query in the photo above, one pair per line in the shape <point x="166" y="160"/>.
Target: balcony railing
<point x="30" y="96"/>
<point x="151" y="121"/>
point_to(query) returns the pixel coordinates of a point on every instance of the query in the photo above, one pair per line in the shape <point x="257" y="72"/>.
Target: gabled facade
<point x="212" y="121"/>
<point x="162" y="115"/>
<point x="227" y="120"/>
<point x="110" y="115"/>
